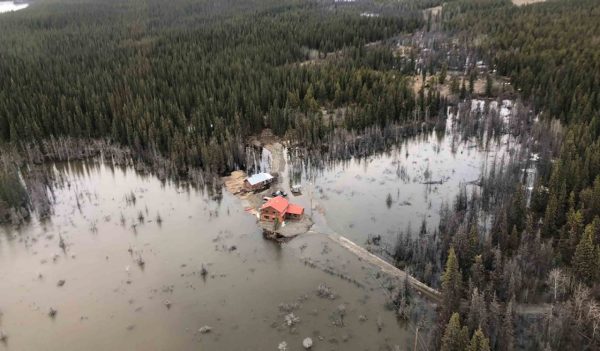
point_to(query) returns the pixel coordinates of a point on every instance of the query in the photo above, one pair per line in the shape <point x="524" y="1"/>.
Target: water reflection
<point x="11" y="6"/>
<point x="106" y="300"/>
<point x="385" y="193"/>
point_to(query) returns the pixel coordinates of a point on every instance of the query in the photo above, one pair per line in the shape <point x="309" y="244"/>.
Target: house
<point x="279" y="209"/>
<point x="258" y="181"/>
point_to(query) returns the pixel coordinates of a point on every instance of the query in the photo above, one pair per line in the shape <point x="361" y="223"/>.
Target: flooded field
<point x="128" y="263"/>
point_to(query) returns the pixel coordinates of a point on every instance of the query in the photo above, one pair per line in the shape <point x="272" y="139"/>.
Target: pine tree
<point x="463" y="90"/>
<point x="472" y="78"/>
<point x="473" y="248"/>
<point x="477" y="317"/>
<point x="456" y="338"/>
<point x="488" y="85"/>
<point x="479" y="342"/>
<point x="478" y="272"/>
<point x="443" y="74"/>
<point x="571" y="236"/>
<point x="454" y="85"/>
<point x="514" y="239"/>
<point x="507" y="333"/>
<point x="494" y="322"/>
<point x="549" y="227"/>
<point x="517" y="210"/>
<point x="451" y="285"/>
<point x="585" y="258"/>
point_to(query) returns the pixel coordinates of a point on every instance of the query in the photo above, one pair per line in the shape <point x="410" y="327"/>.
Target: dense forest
<point x="499" y="256"/>
<point x="191" y="79"/>
<point x="186" y="82"/>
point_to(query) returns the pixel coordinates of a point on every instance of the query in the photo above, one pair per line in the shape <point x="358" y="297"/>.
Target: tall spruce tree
<point x="451" y="285"/>
<point x="585" y="259"/>
<point x="479" y="342"/>
<point x="456" y="338"/>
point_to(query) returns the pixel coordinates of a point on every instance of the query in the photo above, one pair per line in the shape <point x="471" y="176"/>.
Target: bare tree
<point x="594" y="316"/>
<point x="556" y="281"/>
<point x="580" y="297"/>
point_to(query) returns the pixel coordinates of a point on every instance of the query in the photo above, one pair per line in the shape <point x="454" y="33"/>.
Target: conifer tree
<point x="451" y="285"/>
<point x="585" y="259"/>
<point x="479" y="342"/>
<point x="456" y="338"/>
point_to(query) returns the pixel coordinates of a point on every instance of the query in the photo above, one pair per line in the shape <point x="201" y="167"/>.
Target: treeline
<point x="13" y="195"/>
<point x="191" y="79"/>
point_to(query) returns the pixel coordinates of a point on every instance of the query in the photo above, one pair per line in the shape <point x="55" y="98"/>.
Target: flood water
<point x="105" y="300"/>
<point x="387" y="193"/>
<point x="108" y="220"/>
<point x="10" y="6"/>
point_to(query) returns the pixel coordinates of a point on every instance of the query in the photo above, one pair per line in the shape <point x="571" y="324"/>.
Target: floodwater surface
<point x="85" y="264"/>
<point x="127" y="262"/>
<point x="388" y="193"/>
<point x="10" y="6"/>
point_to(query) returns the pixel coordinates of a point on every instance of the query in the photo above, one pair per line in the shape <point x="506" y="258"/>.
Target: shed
<point x="258" y="181"/>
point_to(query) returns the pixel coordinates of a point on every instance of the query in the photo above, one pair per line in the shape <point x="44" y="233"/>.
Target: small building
<point x="258" y="181"/>
<point x="279" y="209"/>
<point x="294" y="212"/>
<point x="296" y="189"/>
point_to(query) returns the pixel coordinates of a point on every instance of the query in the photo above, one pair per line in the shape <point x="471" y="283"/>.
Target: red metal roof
<point x="295" y="209"/>
<point x="279" y="203"/>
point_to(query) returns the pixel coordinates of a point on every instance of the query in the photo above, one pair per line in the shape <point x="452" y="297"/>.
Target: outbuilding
<point x="258" y="181"/>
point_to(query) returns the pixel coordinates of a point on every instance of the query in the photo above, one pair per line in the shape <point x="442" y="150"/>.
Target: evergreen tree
<point x="454" y="85"/>
<point x="488" y="85"/>
<point x="507" y="334"/>
<point x="585" y="260"/>
<point x="478" y="273"/>
<point x="451" y="285"/>
<point x="456" y="338"/>
<point x="443" y="74"/>
<point x="479" y="342"/>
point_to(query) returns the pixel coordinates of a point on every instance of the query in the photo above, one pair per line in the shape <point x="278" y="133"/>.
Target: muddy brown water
<point x="351" y="197"/>
<point x="109" y="302"/>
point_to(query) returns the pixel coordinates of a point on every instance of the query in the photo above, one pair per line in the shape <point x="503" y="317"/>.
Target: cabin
<point x="279" y="209"/>
<point x="258" y="181"/>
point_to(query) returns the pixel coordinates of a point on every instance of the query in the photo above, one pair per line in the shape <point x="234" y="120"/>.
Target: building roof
<point x="279" y="203"/>
<point x="259" y="178"/>
<point x="295" y="209"/>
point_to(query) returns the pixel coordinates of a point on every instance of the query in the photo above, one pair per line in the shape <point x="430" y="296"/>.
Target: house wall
<point x="293" y="216"/>
<point x="269" y="214"/>
<point x="257" y="186"/>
